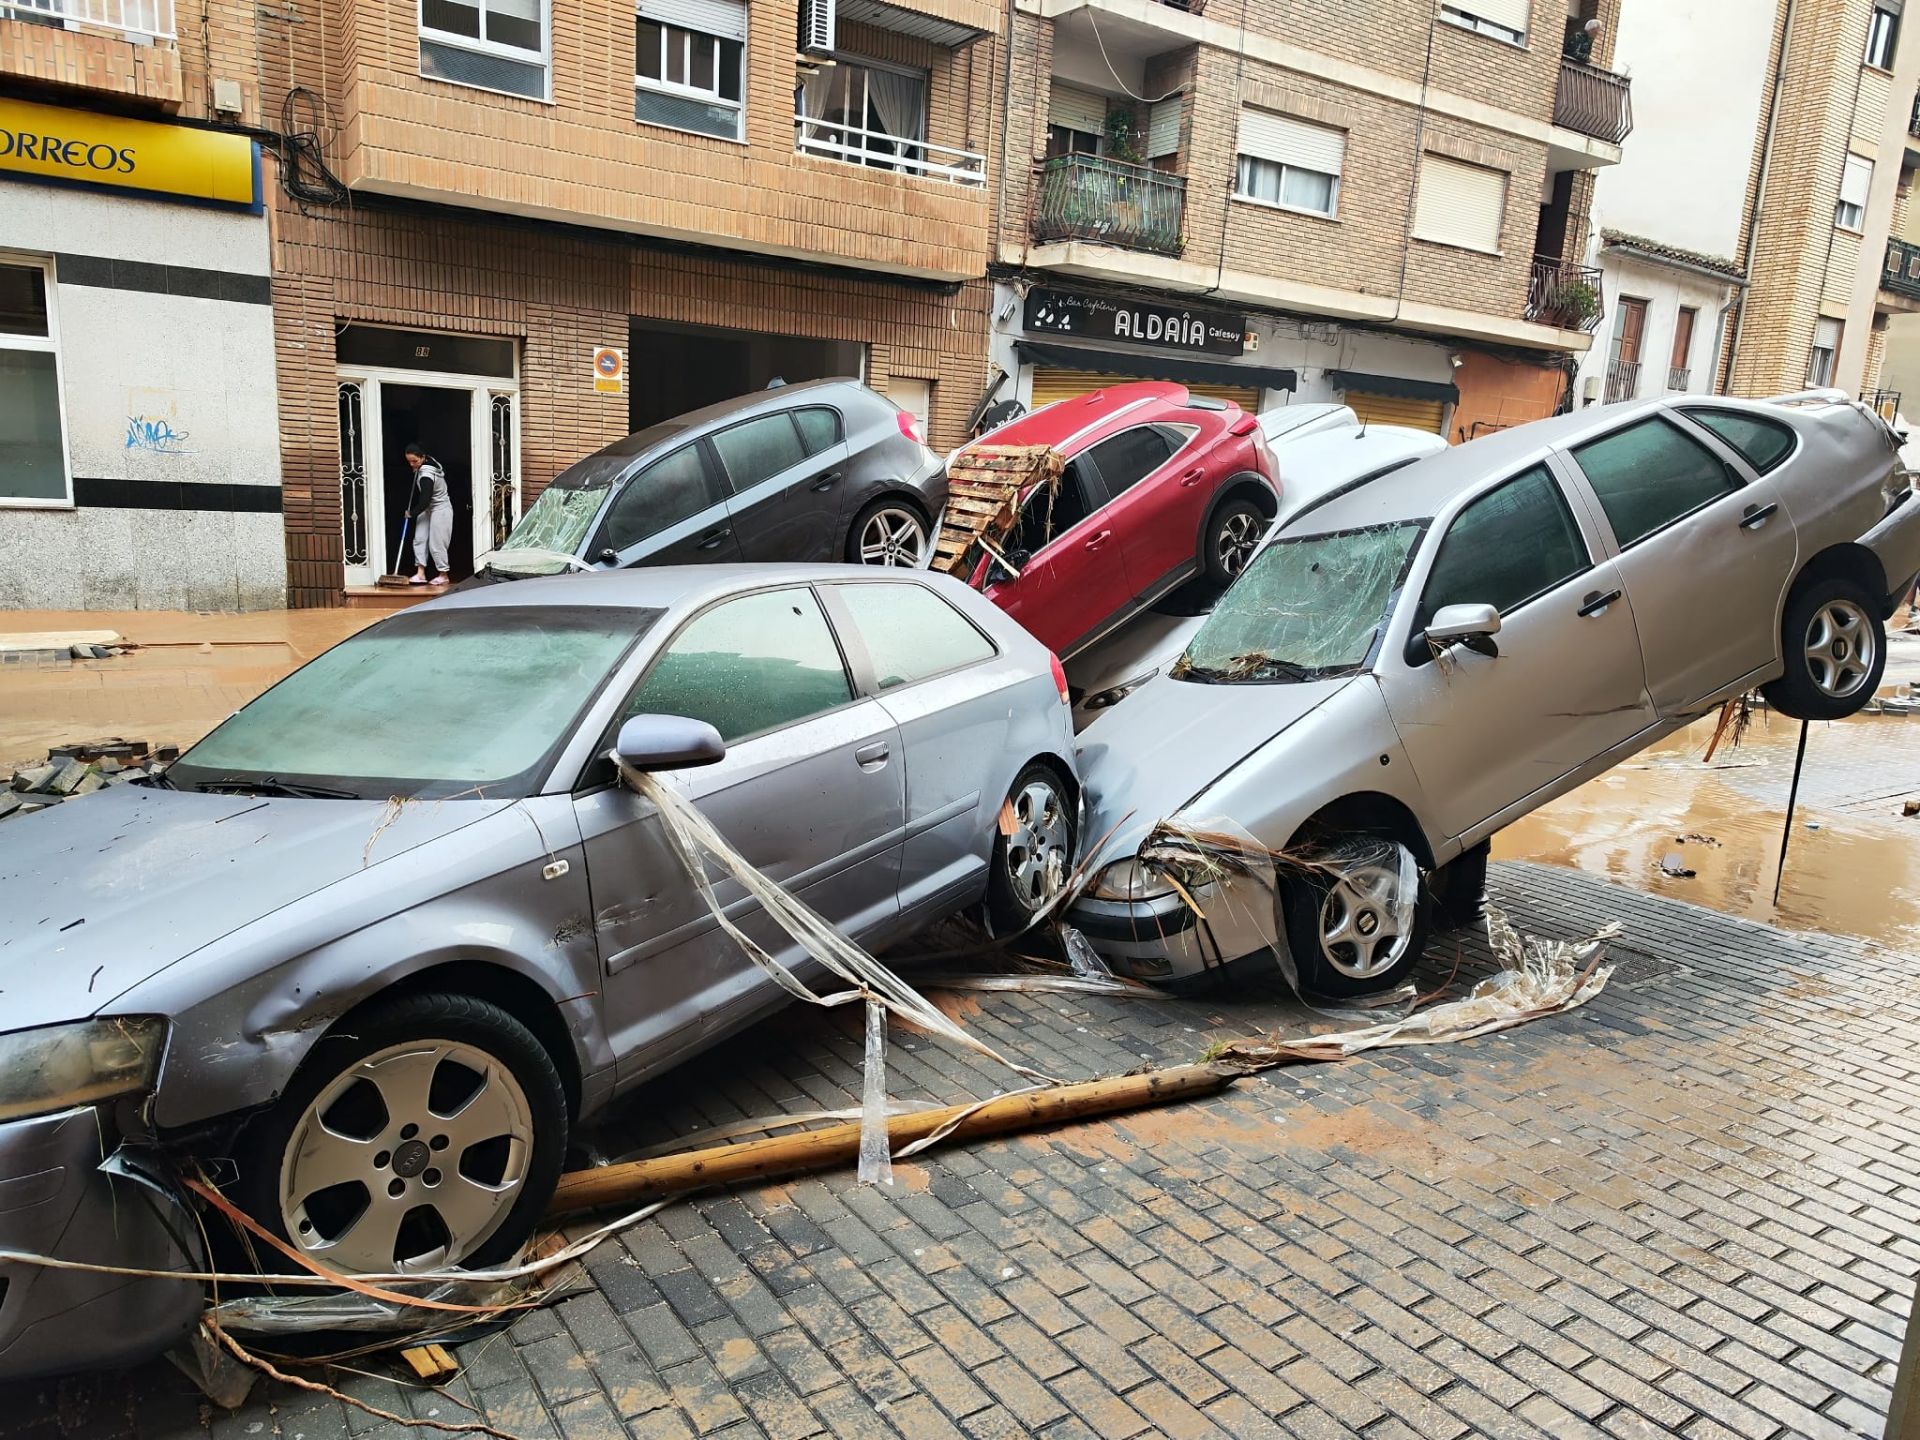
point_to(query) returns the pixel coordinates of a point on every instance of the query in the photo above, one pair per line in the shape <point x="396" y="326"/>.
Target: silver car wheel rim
<point x="409" y="1160"/>
<point x="1037" y="848"/>
<point x="1238" y="537"/>
<point x="892" y="537"/>
<point x="1840" y="648"/>
<point x="1361" y="935"/>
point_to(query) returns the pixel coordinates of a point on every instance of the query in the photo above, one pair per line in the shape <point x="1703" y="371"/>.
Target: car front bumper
<point x="1163" y="939"/>
<point x="67" y="1192"/>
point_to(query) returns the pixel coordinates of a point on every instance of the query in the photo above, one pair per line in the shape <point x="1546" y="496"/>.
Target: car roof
<point x="1334" y="456"/>
<point x="1312" y="416"/>
<point x="1061" y="421"/>
<point x="659" y="587"/>
<point x="755" y="402"/>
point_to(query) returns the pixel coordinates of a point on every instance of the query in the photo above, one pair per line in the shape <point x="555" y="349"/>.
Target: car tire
<point x="890" y="531"/>
<point x="1460" y="886"/>
<point x="479" y="1088"/>
<point x="1314" y="902"/>
<point x="1835" y="647"/>
<point x="1030" y="865"/>
<point x="1233" y="531"/>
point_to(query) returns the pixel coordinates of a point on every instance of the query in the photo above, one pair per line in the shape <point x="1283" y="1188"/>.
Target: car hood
<point x="1147" y="757"/>
<point x="102" y="893"/>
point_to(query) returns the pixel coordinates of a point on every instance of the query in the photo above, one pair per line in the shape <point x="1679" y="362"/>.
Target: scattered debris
<point x="1695" y="838"/>
<point x="1672" y="864"/>
<point x="1910" y="807"/>
<point x="431" y="1363"/>
<point x="81" y="767"/>
<point x="985" y="486"/>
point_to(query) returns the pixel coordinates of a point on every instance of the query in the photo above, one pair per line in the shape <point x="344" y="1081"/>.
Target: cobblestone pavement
<point x="1692" y="1207"/>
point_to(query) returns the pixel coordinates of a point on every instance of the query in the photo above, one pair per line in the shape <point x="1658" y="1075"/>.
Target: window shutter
<point x="1460" y="204"/>
<point x="1826" y="334"/>
<point x="817" y="26"/>
<point x="1855" y="181"/>
<point x="1163" y="128"/>
<point x="1292" y="142"/>
<point x="1077" y="109"/>
<point x="1510" y="13"/>
<point x="725" y="18"/>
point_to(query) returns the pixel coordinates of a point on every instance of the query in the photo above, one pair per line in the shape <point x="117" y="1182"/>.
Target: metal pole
<point x="1793" y="795"/>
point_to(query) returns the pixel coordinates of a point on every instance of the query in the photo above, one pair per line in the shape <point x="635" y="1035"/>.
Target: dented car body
<point x="1430" y="656"/>
<point x="226" y="964"/>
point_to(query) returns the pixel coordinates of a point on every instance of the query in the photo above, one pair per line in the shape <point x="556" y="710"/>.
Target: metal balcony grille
<point x="1083" y="197"/>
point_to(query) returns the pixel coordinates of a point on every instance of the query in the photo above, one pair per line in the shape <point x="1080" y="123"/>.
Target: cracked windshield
<point x="1305" y="608"/>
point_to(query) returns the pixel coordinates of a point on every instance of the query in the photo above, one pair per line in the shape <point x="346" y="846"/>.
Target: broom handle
<point x="405" y="525"/>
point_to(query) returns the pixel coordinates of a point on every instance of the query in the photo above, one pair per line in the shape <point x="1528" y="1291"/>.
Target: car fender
<point x="1240" y="480"/>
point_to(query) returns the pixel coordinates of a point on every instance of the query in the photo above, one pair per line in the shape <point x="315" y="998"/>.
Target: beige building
<point x="1305" y="199"/>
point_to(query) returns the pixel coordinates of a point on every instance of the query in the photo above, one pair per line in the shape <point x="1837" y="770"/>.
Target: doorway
<point x="442" y="420"/>
<point x="677" y="368"/>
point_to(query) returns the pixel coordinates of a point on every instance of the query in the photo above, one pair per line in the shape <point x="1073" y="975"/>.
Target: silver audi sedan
<point x="1430" y="656"/>
<point x="376" y="943"/>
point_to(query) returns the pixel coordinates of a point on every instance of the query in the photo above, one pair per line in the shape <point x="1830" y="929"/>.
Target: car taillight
<point x="909" y="427"/>
<point x="1060" y="677"/>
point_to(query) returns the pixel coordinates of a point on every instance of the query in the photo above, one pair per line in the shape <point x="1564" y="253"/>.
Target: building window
<point x="688" y="62"/>
<point x="1076" y="122"/>
<point x="866" y="114"/>
<point x="1623" y="355"/>
<point x="1460" y="204"/>
<point x="1678" y="369"/>
<point x="489" y="44"/>
<point x="1855" y="180"/>
<point x="1826" y="349"/>
<point x="1290" y="163"/>
<point x="1502" y="19"/>
<point x="1883" y="34"/>
<point x="33" y="443"/>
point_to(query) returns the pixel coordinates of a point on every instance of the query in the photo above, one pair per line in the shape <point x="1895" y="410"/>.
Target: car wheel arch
<point x="1372" y="812"/>
<point x="1246" y="485"/>
<point x="1848" y="560"/>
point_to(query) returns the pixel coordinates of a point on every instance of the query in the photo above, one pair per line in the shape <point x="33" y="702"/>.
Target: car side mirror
<point x="668" y="742"/>
<point x="608" y="556"/>
<point x="1472" y="625"/>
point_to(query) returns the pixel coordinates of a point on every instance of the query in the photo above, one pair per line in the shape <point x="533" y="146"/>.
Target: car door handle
<point x="1193" y="476"/>
<point x="871" y="757"/>
<point x="714" y="539"/>
<point x="1756" y="516"/>
<point x="826" y="482"/>
<point x="1094" y="542"/>
<point x="1597" y="600"/>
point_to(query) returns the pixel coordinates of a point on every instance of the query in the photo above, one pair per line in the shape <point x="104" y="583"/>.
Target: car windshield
<point x="1308" y="606"/>
<point x="430" y="704"/>
<point x="554" y="525"/>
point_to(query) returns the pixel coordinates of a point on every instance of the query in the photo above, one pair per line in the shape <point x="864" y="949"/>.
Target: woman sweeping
<point x="432" y="511"/>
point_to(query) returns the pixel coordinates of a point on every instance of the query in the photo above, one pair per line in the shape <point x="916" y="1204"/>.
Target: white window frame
<point x="1851" y="215"/>
<point x="1883" y="35"/>
<point x="1820" y="372"/>
<point x="1500" y="226"/>
<point x="1465" y="19"/>
<point x="860" y="152"/>
<point x="494" y="49"/>
<point x="1240" y="192"/>
<point x="44" y="345"/>
<point x="664" y="86"/>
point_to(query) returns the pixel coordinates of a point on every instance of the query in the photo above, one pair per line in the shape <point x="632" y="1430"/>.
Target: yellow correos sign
<point x="51" y="143"/>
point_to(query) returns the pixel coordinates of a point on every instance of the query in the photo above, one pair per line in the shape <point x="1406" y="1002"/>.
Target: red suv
<point x="1159" y="487"/>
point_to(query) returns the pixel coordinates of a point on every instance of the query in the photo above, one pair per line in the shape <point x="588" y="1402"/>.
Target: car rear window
<point x="911" y="633"/>
<point x="819" y="427"/>
<point x="1763" y="444"/>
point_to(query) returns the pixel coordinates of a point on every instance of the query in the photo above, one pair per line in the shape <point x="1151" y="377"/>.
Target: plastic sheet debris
<point x="1084" y="960"/>
<point x="349" y="1313"/>
<point x="876" y="1161"/>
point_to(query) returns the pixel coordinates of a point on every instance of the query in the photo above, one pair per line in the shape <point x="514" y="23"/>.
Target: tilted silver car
<point x="1433" y="654"/>
<point x="389" y="931"/>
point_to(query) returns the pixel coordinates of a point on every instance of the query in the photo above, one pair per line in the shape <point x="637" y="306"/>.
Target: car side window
<point x="1763" y="444"/>
<point x="1124" y="460"/>
<point x="758" y="449"/>
<point x="1650" y="474"/>
<point x="1507" y="547"/>
<point x="912" y="633"/>
<point x="1044" y="519"/>
<point x="673" y="488"/>
<point x="748" y="665"/>
<point x="819" y="427"/>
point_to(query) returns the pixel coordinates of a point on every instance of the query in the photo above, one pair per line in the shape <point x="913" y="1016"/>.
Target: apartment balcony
<point x="1913" y="119"/>
<point x="118" y="47"/>
<point x="1900" y="275"/>
<point x="139" y="19"/>
<point x="878" y="150"/>
<point x="1623" y="380"/>
<point x="1677" y="377"/>
<point x="1132" y="207"/>
<point x="1594" y="102"/>
<point x="1884" y="403"/>
<point x="1564" y="296"/>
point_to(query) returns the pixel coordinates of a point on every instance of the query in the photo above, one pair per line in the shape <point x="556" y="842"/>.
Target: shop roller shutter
<point x="1428" y="415"/>
<point x="1460" y="204"/>
<point x="1077" y="109"/>
<point x="1292" y="142"/>
<point x="1052" y="385"/>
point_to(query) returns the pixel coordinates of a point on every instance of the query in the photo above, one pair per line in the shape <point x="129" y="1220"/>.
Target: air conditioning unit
<point x="816" y="26"/>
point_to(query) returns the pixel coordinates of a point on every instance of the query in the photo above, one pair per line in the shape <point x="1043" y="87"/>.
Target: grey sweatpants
<point x="431" y="533"/>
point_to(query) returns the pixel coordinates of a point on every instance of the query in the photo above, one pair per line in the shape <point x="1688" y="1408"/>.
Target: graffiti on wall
<point x="156" y="435"/>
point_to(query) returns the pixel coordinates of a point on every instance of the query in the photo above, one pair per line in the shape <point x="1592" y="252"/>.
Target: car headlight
<point x="1130" y="880"/>
<point x="60" y="1066"/>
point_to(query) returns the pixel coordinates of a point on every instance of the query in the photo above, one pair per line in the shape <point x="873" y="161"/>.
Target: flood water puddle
<point x="1853" y="864"/>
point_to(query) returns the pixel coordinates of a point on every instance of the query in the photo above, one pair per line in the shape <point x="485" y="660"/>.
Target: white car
<point x="1326" y="453"/>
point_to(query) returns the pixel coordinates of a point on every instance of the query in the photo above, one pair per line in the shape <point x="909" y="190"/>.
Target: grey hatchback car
<point x="376" y="943"/>
<point x="825" y="470"/>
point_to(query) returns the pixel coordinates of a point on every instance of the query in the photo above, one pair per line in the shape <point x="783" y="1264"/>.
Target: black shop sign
<point x="1167" y="328"/>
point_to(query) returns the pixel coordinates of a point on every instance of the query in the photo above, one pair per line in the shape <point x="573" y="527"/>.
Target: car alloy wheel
<point x="1238" y="538"/>
<point x="1365" y="922"/>
<point x="1840" y="648"/>
<point x="409" y="1159"/>
<point x="892" y="535"/>
<point x="1040" y="847"/>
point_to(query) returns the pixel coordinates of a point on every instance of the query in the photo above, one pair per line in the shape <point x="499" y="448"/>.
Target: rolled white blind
<point x="1077" y="109"/>
<point x="1460" y="204"/>
<point x="1855" y="180"/>
<point x="1510" y="13"/>
<point x="1163" y="128"/>
<point x="1292" y="142"/>
<point x="725" y="18"/>
<point x="1826" y="334"/>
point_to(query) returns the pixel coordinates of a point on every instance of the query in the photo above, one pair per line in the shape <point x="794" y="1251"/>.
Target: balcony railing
<point x="835" y="140"/>
<point x="1564" y="296"/>
<point x="1900" y="272"/>
<point x="1082" y="197"/>
<point x="1677" y="376"/>
<point x="1913" y="118"/>
<point x="148" y="19"/>
<point x="1884" y="403"/>
<point x="1623" y="380"/>
<point x="1593" y="101"/>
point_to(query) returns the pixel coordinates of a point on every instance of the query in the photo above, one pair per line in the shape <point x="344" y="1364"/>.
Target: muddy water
<point x="1847" y="872"/>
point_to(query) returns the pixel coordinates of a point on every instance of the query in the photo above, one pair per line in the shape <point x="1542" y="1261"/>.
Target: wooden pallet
<point x="984" y="485"/>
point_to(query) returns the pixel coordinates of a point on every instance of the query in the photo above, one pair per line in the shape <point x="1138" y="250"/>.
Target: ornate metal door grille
<point x="500" y="448"/>
<point x="353" y="475"/>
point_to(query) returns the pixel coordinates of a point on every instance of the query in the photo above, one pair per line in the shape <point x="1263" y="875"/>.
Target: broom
<point x="396" y="578"/>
